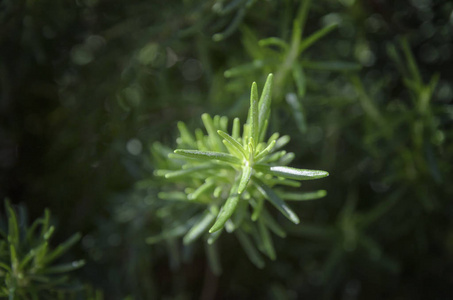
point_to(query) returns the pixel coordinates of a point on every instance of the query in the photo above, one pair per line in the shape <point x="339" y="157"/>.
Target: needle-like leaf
<point x="254" y="130"/>
<point x="226" y="211"/>
<point x="311" y="39"/>
<point x="272" y="224"/>
<point x="249" y="249"/>
<point x="186" y="136"/>
<point x="233" y="142"/>
<point x="257" y="209"/>
<point x="291" y="173"/>
<point x="245" y="178"/>
<point x="65" y="267"/>
<point x="199" y="228"/>
<point x="302" y="196"/>
<point x="213" y="259"/>
<point x="264" y="105"/>
<point x="270" y="195"/>
<point x="200" y="190"/>
<point x="179" y="173"/>
<point x="267" y="240"/>
<point x="265" y="151"/>
<point x="208" y="155"/>
<point x="236" y="129"/>
<point x="214" y="236"/>
<point x="214" y="138"/>
<point x="62" y="248"/>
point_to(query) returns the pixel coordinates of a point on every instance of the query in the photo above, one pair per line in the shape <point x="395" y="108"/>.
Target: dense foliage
<point x="91" y="90"/>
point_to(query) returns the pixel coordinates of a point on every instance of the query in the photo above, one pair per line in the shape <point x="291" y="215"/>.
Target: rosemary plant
<point x="223" y="174"/>
<point x="27" y="269"/>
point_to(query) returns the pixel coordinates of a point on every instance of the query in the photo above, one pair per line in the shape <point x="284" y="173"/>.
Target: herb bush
<point x="91" y="93"/>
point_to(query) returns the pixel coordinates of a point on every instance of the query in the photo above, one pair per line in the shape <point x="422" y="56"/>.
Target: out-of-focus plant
<point x="220" y="16"/>
<point x="27" y="262"/>
<point x="403" y="141"/>
<point x="412" y="127"/>
<point x="290" y="62"/>
<point x="219" y="175"/>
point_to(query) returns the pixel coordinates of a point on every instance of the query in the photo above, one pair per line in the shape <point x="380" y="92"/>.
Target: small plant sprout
<point x="27" y="262"/>
<point x="231" y="177"/>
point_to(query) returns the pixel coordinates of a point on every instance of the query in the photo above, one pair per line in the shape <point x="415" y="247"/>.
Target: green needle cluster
<point x="27" y="262"/>
<point x="228" y="173"/>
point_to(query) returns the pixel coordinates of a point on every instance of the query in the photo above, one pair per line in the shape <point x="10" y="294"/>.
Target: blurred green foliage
<point x="27" y="263"/>
<point x="364" y="90"/>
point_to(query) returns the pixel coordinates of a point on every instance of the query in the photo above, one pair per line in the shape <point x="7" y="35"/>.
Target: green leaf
<point x="32" y="228"/>
<point x="298" y="112"/>
<point x="223" y="124"/>
<point x="272" y="224"/>
<point x="27" y="259"/>
<point x="40" y="253"/>
<point x="272" y="157"/>
<point x="270" y="195"/>
<point x="311" y="39"/>
<point x="65" y="267"/>
<point x="172" y="233"/>
<point x="62" y="248"/>
<point x="286" y="159"/>
<point x="227" y="210"/>
<point x="172" y="196"/>
<point x="240" y="14"/>
<point x="245" y="135"/>
<point x="250" y="42"/>
<point x="292" y="173"/>
<point x="282" y="181"/>
<point x="245" y="178"/>
<point x="249" y="249"/>
<point x="244" y="69"/>
<point x="264" y="105"/>
<point x="232" y="150"/>
<point x="240" y="214"/>
<point x="299" y="22"/>
<point x="267" y="240"/>
<point x="222" y="9"/>
<point x="265" y="151"/>
<point x="208" y="155"/>
<point x="186" y="136"/>
<point x="233" y="142"/>
<point x="200" y="190"/>
<point x="49" y="233"/>
<point x="5" y="267"/>
<point x="213" y="259"/>
<point x="273" y="137"/>
<point x="214" y="139"/>
<point x="274" y="41"/>
<point x="302" y="196"/>
<point x="214" y="236"/>
<point x="299" y="79"/>
<point x="217" y="191"/>
<point x="236" y="129"/>
<point x="254" y="130"/>
<point x="282" y="141"/>
<point x="199" y="228"/>
<point x="13" y="257"/>
<point x="413" y="68"/>
<point x="13" y="226"/>
<point x="257" y="209"/>
<point x="263" y="131"/>
<point x="183" y="172"/>
<point x="199" y="135"/>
